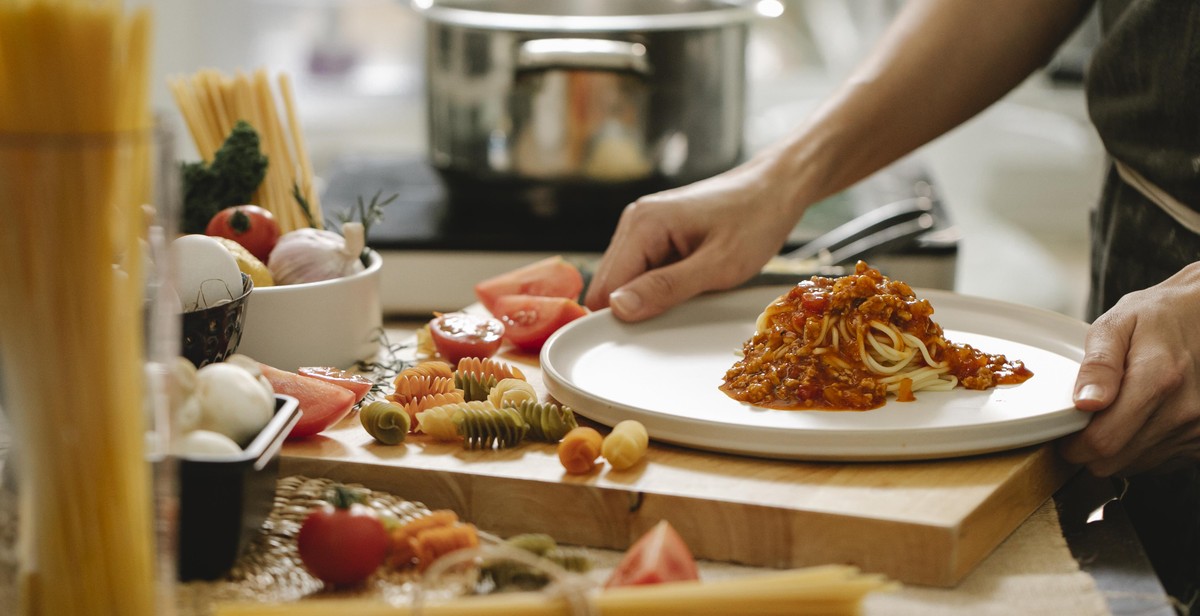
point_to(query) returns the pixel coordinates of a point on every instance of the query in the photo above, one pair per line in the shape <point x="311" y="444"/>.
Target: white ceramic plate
<point x="665" y="373"/>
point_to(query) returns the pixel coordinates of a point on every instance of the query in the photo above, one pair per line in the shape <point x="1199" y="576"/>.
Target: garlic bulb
<point x="312" y="255"/>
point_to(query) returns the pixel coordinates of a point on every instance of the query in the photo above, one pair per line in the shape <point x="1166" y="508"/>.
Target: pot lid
<point x="595" y="15"/>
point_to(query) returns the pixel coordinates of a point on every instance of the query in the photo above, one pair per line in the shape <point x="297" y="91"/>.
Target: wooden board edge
<point x="1026" y="489"/>
<point x="611" y="518"/>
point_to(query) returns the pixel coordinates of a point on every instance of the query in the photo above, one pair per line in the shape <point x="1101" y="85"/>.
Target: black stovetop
<point x="433" y="212"/>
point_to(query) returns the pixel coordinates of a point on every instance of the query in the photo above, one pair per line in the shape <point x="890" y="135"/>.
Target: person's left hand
<point x="1141" y="377"/>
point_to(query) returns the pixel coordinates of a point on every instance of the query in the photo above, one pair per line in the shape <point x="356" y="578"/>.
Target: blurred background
<point x="1018" y="180"/>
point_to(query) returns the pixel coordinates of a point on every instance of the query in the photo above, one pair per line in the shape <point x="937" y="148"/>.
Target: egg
<point x="203" y="443"/>
<point x="206" y="274"/>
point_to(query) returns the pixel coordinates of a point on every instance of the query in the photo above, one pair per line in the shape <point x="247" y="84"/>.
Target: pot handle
<point x="589" y="53"/>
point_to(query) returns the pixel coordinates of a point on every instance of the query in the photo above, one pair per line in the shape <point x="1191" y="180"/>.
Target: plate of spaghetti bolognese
<point x="855" y="368"/>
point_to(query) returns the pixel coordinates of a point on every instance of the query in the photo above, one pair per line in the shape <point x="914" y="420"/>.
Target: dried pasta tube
<point x="625" y="445"/>
<point x="579" y="449"/>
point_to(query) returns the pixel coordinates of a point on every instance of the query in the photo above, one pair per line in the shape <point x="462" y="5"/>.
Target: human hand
<point x="676" y="244"/>
<point x="1141" y="377"/>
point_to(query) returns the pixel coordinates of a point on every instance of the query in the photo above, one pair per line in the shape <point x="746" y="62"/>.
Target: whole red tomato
<point x="343" y="541"/>
<point x="249" y="225"/>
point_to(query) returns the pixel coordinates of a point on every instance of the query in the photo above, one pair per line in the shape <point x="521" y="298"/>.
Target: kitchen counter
<point x="1075" y="554"/>
<point x="1077" y="540"/>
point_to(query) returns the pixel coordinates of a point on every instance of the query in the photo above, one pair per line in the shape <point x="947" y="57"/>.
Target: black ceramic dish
<point x="212" y="334"/>
<point x="223" y="501"/>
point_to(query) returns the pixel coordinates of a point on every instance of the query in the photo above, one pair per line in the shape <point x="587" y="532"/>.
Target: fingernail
<point x="1090" y="392"/>
<point x="625" y="302"/>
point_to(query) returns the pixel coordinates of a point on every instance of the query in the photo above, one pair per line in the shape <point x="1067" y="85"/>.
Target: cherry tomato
<point x="550" y="277"/>
<point x="462" y="334"/>
<point x="529" y="320"/>
<point x="249" y="225"/>
<point x="343" y="542"/>
<point x="660" y="555"/>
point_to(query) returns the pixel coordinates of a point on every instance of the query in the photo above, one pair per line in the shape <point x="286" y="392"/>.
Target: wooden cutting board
<point x="928" y="522"/>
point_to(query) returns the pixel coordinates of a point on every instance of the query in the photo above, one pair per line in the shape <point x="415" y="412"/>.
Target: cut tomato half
<point x="530" y="319"/>
<point x="462" y="334"/>
<point x="549" y="277"/>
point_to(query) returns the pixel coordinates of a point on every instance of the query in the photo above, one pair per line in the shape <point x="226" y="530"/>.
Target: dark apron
<point x="1144" y="98"/>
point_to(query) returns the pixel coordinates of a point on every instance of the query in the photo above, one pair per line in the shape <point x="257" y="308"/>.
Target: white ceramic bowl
<point x="329" y="323"/>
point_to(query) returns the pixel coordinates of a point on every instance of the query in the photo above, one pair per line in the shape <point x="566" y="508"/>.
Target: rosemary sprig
<point x="304" y="205"/>
<point x="368" y="214"/>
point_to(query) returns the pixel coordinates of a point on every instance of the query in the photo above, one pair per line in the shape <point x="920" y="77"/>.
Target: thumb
<point x="1103" y="366"/>
<point x="656" y="291"/>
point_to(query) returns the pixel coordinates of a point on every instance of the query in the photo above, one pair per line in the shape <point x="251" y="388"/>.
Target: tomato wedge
<point x="529" y="319"/>
<point x="356" y="383"/>
<point x="462" y="334"/>
<point x="321" y="404"/>
<point x="549" y="277"/>
<point x="660" y="555"/>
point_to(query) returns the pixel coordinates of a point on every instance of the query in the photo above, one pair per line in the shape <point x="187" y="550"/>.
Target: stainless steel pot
<point x="604" y="92"/>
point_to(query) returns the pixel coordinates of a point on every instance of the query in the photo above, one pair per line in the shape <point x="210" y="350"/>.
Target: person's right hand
<point x="673" y="245"/>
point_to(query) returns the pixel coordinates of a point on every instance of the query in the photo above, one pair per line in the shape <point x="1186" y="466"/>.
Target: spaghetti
<point x="75" y="126"/>
<point x="211" y="104"/>
<point x="845" y="343"/>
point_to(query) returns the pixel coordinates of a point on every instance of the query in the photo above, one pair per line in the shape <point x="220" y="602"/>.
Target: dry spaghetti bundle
<point x="75" y="130"/>
<point x="211" y="104"/>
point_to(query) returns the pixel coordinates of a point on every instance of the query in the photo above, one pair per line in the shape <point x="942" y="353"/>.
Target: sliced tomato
<point x="550" y="277"/>
<point x="462" y="334"/>
<point x="321" y="404"/>
<point x="356" y="383"/>
<point x="660" y="555"/>
<point x="529" y="319"/>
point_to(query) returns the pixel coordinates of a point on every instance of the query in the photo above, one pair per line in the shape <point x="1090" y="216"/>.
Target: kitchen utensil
<point x="842" y="241"/>
<point x="887" y="228"/>
<point x="625" y="92"/>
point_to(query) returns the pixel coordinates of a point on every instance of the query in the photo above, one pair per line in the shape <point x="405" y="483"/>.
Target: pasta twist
<point x="489" y="367"/>
<point x="578" y="450"/>
<point x="438" y="422"/>
<point x="386" y="422"/>
<point x="433" y="543"/>
<point x="412" y="407"/>
<point x="475" y="387"/>
<point x="411" y="387"/>
<point x="547" y="422"/>
<point x="625" y="445"/>
<point x="510" y="574"/>
<point x="511" y="392"/>
<point x="433" y="367"/>
<point x="485" y="426"/>
<point x="405" y="538"/>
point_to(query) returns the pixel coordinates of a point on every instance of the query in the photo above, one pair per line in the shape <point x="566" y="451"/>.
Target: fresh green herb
<point x="236" y="171"/>
<point x="304" y="205"/>
<point x="368" y="214"/>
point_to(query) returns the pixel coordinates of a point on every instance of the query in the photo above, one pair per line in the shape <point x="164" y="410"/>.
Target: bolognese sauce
<point x="845" y="343"/>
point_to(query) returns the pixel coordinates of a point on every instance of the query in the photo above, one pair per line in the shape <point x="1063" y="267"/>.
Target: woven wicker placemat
<point x="269" y="569"/>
